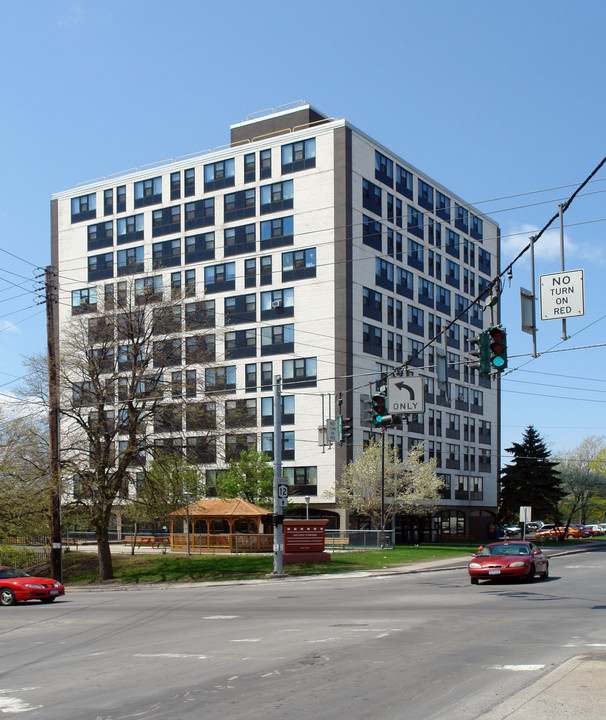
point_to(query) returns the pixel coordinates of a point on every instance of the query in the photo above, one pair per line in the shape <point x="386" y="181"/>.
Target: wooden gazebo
<point x="217" y="525"/>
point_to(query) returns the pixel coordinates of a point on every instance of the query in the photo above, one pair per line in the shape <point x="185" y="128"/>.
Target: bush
<point x="16" y="557"/>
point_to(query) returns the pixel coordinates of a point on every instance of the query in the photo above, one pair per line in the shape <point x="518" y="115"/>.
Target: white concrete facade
<point x="333" y="265"/>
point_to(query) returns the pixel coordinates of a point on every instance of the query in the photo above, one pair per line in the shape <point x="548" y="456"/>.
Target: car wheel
<point x="545" y="574"/>
<point x="474" y="581"/>
<point x="45" y="601"/>
<point x="569" y="536"/>
<point x="7" y="597"/>
<point x="530" y="577"/>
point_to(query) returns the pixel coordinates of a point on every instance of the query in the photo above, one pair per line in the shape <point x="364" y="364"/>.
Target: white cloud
<point x="8" y="326"/>
<point x="547" y="247"/>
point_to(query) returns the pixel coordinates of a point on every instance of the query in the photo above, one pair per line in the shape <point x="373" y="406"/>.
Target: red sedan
<point x="513" y="558"/>
<point x="17" y="586"/>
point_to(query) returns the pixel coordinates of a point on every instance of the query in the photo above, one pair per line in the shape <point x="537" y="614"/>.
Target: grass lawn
<point x="81" y="567"/>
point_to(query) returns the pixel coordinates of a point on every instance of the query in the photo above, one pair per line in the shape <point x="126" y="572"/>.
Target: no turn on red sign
<point x="562" y="295"/>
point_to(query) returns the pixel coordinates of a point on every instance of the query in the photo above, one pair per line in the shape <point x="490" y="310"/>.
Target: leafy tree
<point x="583" y="483"/>
<point x="530" y="480"/>
<point x="250" y="477"/>
<point x="410" y="487"/>
<point x="24" y="458"/>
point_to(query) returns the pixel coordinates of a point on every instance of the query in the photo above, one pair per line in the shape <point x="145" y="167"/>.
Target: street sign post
<point x="405" y="395"/>
<point x="562" y="295"/>
<point x="282" y="492"/>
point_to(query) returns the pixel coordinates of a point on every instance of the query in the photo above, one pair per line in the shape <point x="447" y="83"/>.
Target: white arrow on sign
<point x="405" y="395"/>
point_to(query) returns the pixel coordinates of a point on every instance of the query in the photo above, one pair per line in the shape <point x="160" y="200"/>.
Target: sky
<point x="502" y="103"/>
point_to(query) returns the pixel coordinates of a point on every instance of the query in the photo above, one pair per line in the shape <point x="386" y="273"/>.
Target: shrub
<point x="16" y="557"/>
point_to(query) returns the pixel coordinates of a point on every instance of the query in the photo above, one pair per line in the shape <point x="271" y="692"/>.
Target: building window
<point x="166" y="320"/>
<point x="372" y="233"/>
<point x="476" y="228"/>
<point x="239" y="240"/>
<point x="404" y="282"/>
<point x="250" y="273"/>
<point x="461" y="219"/>
<point x="299" y="264"/>
<point x="288" y="444"/>
<point x="235" y="445"/>
<point x="416" y="320"/>
<point x="100" y="235"/>
<point x="425" y="195"/>
<point x="148" y="289"/>
<point x="219" y="175"/>
<point x="276" y="197"/>
<point x="121" y="198"/>
<point x="266" y="375"/>
<point x="265" y="270"/>
<point x="129" y="229"/>
<point x="166" y="254"/>
<point x="167" y="353"/>
<point x="301" y="372"/>
<point x="218" y="278"/>
<point x="240" y="413"/>
<point x="200" y="315"/>
<point x="239" y="205"/>
<point x="452" y="243"/>
<point x="249" y="168"/>
<point x="200" y="213"/>
<point x="383" y="169"/>
<point x="250" y="377"/>
<point x="100" y="267"/>
<point x="277" y="232"/>
<point x="240" y="309"/>
<point x="175" y="286"/>
<point x="484" y="261"/>
<point x="199" y="247"/>
<point x="240" y="344"/>
<point x="84" y="207"/>
<point x="384" y="274"/>
<point x="426" y="292"/>
<point x="302" y="480"/>
<point x="84" y="301"/>
<point x="404" y="182"/>
<point x="372" y="340"/>
<point x="371" y="197"/>
<point x="166" y="221"/>
<point x="452" y="274"/>
<point x="277" y="339"/>
<point x="201" y="416"/>
<point x="191" y="383"/>
<point x="108" y="202"/>
<point x="415" y="221"/>
<point x="189" y="178"/>
<point x="220" y="378"/>
<point x="175" y="186"/>
<point x="415" y="255"/>
<point x="442" y="206"/>
<point x="201" y="450"/>
<point x="372" y="305"/>
<point x="130" y="260"/>
<point x="299" y="155"/>
<point x="265" y="164"/>
<point x="148" y="192"/>
<point x="200" y="349"/>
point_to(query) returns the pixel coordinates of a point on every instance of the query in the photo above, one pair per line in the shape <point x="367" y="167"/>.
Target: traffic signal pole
<point x="278" y="517"/>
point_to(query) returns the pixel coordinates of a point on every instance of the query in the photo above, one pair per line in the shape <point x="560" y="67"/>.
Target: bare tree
<point x="583" y="480"/>
<point x="119" y="374"/>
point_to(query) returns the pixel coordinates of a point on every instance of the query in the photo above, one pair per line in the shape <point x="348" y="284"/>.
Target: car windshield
<point x="504" y="549"/>
<point x="12" y="573"/>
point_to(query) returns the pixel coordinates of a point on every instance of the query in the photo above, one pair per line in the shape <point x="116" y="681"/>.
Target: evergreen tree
<point x="530" y="480"/>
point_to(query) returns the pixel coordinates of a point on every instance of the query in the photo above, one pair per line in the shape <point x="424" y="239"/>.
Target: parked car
<point x="510" y="530"/>
<point x="19" y="586"/>
<point x="508" y="558"/>
<point x="533" y="527"/>
<point x="594" y="529"/>
<point x="553" y="532"/>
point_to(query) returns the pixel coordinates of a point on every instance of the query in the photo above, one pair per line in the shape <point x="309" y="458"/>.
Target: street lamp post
<point x="307" y="499"/>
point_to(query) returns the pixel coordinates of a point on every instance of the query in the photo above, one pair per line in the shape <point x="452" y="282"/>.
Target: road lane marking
<point x="517" y="668"/>
<point x="247" y="640"/>
<point x="172" y="655"/>
<point x="220" y="617"/>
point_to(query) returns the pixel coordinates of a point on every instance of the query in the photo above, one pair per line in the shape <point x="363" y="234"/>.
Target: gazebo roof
<point x="218" y="507"/>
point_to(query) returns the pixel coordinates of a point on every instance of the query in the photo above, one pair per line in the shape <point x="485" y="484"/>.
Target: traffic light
<point x="480" y="345"/>
<point x="345" y="431"/>
<point x="497" y="348"/>
<point x="379" y="408"/>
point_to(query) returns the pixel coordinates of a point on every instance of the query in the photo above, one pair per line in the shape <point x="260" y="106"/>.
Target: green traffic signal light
<point x="498" y="348"/>
<point x="379" y="408"/>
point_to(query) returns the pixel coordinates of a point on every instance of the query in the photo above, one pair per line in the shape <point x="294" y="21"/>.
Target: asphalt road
<point x="428" y="646"/>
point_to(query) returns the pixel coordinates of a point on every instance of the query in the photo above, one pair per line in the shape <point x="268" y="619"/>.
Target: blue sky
<point x="502" y="103"/>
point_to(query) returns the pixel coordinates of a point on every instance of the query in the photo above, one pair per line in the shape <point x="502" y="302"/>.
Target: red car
<point x="17" y="586"/>
<point x="508" y="558"/>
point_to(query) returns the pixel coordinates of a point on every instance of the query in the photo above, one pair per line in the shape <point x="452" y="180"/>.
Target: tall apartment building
<point x="322" y="257"/>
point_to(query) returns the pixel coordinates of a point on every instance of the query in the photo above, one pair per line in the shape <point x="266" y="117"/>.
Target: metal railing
<point x="359" y="540"/>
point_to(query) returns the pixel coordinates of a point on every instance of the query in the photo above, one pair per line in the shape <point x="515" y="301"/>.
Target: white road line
<point x="517" y="668"/>
<point x="172" y="655"/>
<point x="220" y="617"/>
<point x="247" y="640"/>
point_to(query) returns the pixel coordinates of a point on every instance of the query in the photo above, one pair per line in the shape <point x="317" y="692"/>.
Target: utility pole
<point x="278" y="517"/>
<point x="56" y="560"/>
